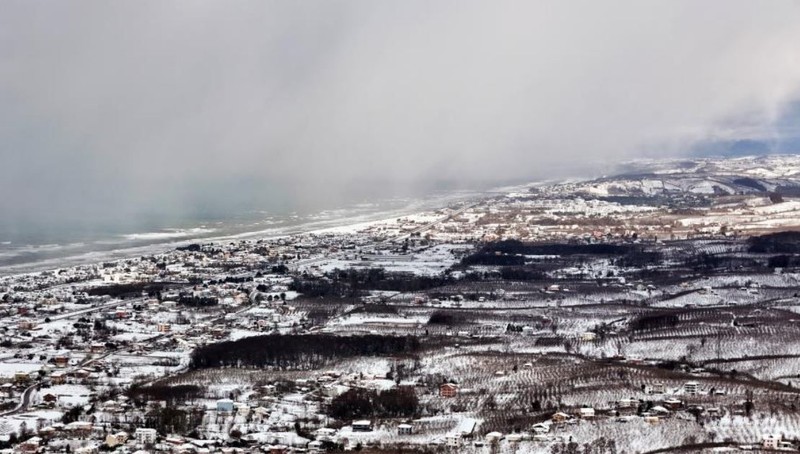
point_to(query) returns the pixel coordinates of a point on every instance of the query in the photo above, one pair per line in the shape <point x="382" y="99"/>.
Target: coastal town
<point x="653" y="310"/>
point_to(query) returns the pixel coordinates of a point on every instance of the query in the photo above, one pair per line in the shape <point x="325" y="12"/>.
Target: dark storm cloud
<point x="124" y="107"/>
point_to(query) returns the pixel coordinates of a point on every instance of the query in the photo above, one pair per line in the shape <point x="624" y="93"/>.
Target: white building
<point x="405" y="429"/>
<point x="453" y="440"/>
<point x="771" y="441"/>
<point x="145" y="436"/>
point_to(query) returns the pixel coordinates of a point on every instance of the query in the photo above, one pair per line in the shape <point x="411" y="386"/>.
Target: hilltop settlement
<point x="653" y="311"/>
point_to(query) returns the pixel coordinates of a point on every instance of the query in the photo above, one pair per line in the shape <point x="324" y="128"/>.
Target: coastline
<point x="307" y="226"/>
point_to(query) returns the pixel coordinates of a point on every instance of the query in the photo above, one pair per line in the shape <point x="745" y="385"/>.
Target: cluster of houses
<point x="70" y="351"/>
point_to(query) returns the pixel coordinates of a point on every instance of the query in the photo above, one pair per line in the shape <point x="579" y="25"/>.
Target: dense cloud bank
<point x="119" y="109"/>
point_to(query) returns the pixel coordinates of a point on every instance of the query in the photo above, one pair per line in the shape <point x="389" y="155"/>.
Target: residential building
<point x="145" y="436"/>
<point x="448" y="390"/>
<point x="771" y="441"/>
<point x="453" y="440"/>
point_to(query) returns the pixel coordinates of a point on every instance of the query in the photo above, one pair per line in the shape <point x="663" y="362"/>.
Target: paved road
<point x="24" y="402"/>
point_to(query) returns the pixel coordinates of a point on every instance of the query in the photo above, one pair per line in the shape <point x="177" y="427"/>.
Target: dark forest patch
<point x="298" y="351"/>
<point x="776" y="243"/>
<point x="750" y="183"/>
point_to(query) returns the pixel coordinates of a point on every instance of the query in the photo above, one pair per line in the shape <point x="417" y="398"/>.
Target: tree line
<point x="172" y="395"/>
<point x="298" y="351"/>
<point x="197" y="301"/>
<point x="780" y="243"/>
<point x="359" y="403"/>
<point x="512" y="253"/>
<point x="654" y="321"/>
<point x="449" y="318"/>
<point x="356" y="282"/>
<point x="522" y="248"/>
<point x="127" y="290"/>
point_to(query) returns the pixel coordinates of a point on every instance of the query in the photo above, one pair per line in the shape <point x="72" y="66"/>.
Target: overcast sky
<point x="125" y="107"/>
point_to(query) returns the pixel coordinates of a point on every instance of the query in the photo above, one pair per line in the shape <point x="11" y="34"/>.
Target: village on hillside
<point x="651" y="312"/>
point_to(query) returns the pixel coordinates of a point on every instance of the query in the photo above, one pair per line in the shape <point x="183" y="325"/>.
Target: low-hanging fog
<point x="117" y="110"/>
